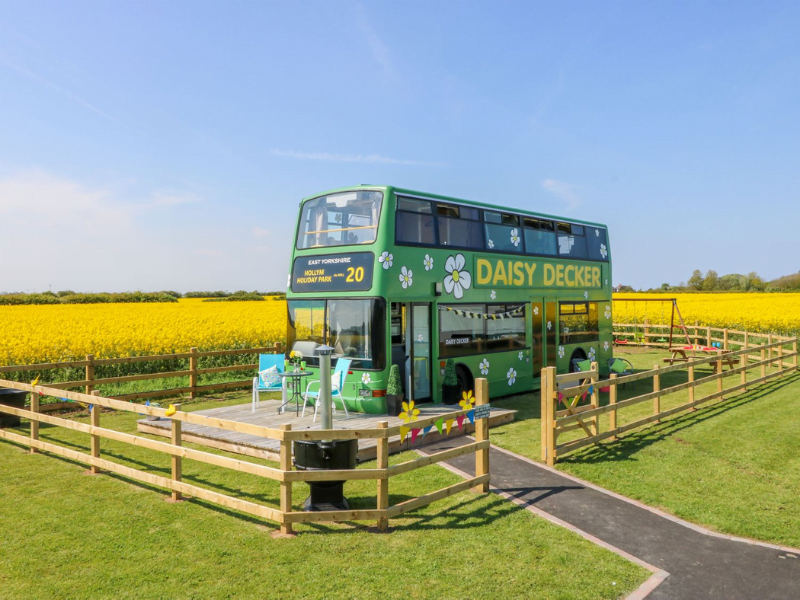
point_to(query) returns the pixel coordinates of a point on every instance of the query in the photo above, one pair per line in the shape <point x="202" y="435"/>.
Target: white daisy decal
<point x="586" y="295"/>
<point x="511" y="376"/>
<point x="457" y="279"/>
<point x="515" y="237"/>
<point x="484" y="366"/>
<point x="592" y="354"/>
<point x="420" y="338"/>
<point x="520" y="355"/>
<point x="289" y="280"/>
<point x="603" y="250"/>
<point x="566" y="329"/>
<point x="549" y="325"/>
<point x="605" y="346"/>
<point x="365" y="378"/>
<point x="606" y="281"/>
<point x="428" y="262"/>
<point x="405" y="277"/>
<point x="607" y="312"/>
<point x="536" y="310"/>
<point x="491" y="244"/>
<point x="493" y="295"/>
<point x="597" y="232"/>
<point x="561" y="352"/>
<point x="386" y="259"/>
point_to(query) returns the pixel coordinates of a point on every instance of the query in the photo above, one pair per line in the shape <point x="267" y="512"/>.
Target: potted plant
<point x="451" y="390"/>
<point x="394" y="392"/>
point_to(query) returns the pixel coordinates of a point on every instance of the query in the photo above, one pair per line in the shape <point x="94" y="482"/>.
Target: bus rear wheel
<point x="577" y="356"/>
<point x="465" y="379"/>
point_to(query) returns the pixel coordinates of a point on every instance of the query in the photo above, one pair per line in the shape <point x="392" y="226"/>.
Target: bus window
<point x="414" y="222"/>
<point x="507" y="333"/>
<point x="503" y="232"/>
<point x="597" y="243"/>
<point x="578" y="322"/>
<point x="339" y="220"/>
<point x="459" y="227"/>
<point x="540" y="236"/>
<point x="459" y="334"/>
<point x="571" y="240"/>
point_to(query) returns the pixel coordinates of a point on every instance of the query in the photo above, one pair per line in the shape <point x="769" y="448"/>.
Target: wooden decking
<point x="267" y="415"/>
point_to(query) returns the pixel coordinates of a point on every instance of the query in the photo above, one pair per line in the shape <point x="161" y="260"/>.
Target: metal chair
<point x="261" y="383"/>
<point x="337" y="384"/>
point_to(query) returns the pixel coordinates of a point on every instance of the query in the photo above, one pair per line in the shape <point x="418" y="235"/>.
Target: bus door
<point x="411" y="348"/>
<point x="537" y="339"/>
<point x="550" y="324"/>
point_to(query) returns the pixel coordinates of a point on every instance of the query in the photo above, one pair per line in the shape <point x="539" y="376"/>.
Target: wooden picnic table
<point x="679" y="354"/>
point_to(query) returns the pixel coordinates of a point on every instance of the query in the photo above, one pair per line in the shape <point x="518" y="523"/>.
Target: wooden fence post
<point x="34" y="424"/>
<point x="656" y="388"/>
<point x="780" y="357"/>
<point x="763" y="364"/>
<point x="383" y="482"/>
<point x="94" y="419"/>
<point x="595" y="398"/>
<point x="746" y="344"/>
<point x="646" y="332"/>
<point x="177" y="465"/>
<point x="769" y="354"/>
<point x="548" y="415"/>
<point x="720" y="375"/>
<point x="696" y="329"/>
<point x="89" y="373"/>
<point x="481" y="434"/>
<point x="286" y="486"/>
<point x="794" y="350"/>
<point x="193" y="374"/>
<point x="691" y="387"/>
<point x="612" y="400"/>
<point x="743" y="366"/>
<point x="543" y="413"/>
<point x="708" y="336"/>
<point x="724" y="339"/>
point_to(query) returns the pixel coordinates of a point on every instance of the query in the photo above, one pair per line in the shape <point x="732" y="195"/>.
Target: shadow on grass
<point x="628" y="445"/>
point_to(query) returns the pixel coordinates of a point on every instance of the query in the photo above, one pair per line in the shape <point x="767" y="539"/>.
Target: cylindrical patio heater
<point x="325" y="454"/>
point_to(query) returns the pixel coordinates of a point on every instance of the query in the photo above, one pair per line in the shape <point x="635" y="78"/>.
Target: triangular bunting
<point x="591" y="389"/>
<point x="414" y="434"/>
<point x="471" y="416"/>
<point x="560" y="396"/>
<point x="583" y="395"/>
<point x="449" y="425"/>
<point x="426" y="431"/>
<point x="460" y="421"/>
<point x="439" y="424"/>
<point x="403" y="433"/>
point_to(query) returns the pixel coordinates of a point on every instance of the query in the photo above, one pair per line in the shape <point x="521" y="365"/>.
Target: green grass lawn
<point x="732" y="466"/>
<point x="68" y="534"/>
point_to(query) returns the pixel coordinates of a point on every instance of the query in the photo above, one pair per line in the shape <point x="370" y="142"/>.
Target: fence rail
<point x="572" y="388"/>
<point x="284" y="474"/>
<point x="90" y="381"/>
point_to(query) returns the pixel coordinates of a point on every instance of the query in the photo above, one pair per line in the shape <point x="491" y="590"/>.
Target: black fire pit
<point x="14" y="398"/>
<point x="320" y="456"/>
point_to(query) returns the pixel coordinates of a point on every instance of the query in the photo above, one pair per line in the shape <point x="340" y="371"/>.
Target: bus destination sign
<point x="333" y="273"/>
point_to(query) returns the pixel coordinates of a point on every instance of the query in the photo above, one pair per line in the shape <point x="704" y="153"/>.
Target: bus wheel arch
<point x="465" y="378"/>
<point x="577" y="355"/>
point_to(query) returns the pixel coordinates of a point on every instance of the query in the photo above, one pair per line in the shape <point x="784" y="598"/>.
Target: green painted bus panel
<point x="416" y="274"/>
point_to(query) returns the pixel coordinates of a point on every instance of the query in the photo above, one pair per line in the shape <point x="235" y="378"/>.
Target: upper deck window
<point x="540" y="236"/>
<point x="571" y="240"/>
<point x="459" y="226"/>
<point x="414" y="222"/>
<point x="503" y="233"/>
<point x="339" y="220"/>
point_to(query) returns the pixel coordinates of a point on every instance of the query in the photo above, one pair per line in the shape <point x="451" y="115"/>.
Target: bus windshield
<point x="339" y="220"/>
<point x="354" y="328"/>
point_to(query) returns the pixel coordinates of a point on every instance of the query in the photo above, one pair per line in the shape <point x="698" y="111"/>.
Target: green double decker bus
<point x="387" y="276"/>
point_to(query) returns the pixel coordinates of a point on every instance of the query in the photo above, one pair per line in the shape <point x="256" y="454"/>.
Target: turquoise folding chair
<point x="265" y="381"/>
<point x="337" y="384"/>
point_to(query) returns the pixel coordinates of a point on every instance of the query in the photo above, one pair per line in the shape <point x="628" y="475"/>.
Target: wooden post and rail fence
<point x="562" y="394"/>
<point x="657" y="335"/>
<point x="284" y="514"/>
<point x="193" y="373"/>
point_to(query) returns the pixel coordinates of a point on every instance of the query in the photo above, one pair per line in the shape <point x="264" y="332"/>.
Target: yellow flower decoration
<point x="467" y="400"/>
<point x="409" y="412"/>
<point x="171" y="410"/>
<point x="35" y="382"/>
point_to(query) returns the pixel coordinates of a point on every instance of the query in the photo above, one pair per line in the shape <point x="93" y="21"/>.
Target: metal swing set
<point x="640" y="334"/>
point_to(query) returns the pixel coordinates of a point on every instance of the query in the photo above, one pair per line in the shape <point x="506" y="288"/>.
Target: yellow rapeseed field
<point x="775" y="313"/>
<point x="51" y="333"/>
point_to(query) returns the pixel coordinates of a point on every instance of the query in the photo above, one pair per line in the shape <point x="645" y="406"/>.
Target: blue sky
<point x="165" y="145"/>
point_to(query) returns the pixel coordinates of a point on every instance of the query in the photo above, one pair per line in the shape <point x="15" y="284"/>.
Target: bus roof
<point x="431" y="196"/>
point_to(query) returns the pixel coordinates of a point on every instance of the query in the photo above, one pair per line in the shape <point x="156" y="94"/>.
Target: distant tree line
<point x="71" y="297"/>
<point x="732" y="282"/>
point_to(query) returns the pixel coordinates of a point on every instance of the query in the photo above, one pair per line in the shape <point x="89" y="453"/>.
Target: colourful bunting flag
<point x="426" y="431"/>
<point x="449" y="425"/>
<point x="414" y="434"/>
<point x="471" y="416"/>
<point x="591" y="389"/>
<point x="583" y="395"/>
<point x="560" y="396"/>
<point x="439" y="423"/>
<point x="460" y="421"/>
<point x="403" y="433"/>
